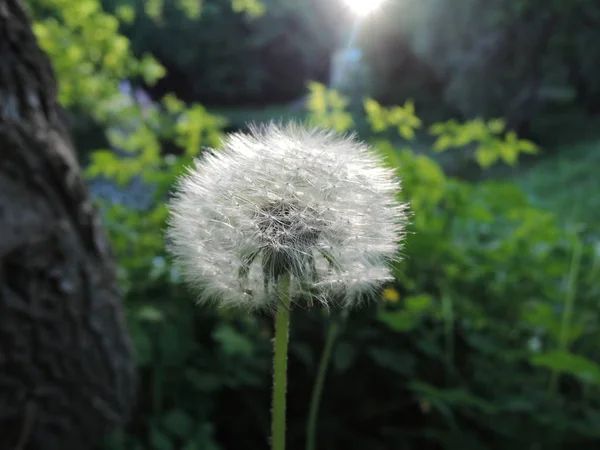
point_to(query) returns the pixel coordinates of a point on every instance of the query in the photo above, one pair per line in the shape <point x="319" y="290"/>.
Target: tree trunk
<point x="66" y="369"/>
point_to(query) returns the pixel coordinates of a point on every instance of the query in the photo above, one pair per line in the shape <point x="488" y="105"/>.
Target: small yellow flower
<point x="391" y="295"/>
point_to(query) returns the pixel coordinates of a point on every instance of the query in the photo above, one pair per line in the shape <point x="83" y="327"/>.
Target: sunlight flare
<point x="363" y="8"/>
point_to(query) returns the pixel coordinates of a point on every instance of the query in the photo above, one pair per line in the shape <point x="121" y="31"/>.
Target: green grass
<point x="568" y="183"/>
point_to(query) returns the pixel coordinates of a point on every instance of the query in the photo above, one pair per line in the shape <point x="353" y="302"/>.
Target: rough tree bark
<point x="66" y="369"/>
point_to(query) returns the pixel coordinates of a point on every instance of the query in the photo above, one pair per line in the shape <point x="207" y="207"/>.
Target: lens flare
<point x="363" y="7"/>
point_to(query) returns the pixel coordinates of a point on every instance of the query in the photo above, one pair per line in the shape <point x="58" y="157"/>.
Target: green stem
<point x="567" y="316"/>
<point x="282" y="330"/>
<point x="448" y="315"/>
<point x="311" y="427"/>
<point x="157" y="375"/>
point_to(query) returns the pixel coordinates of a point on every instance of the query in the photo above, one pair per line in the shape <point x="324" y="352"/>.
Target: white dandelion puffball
<point x="286" y="199"/>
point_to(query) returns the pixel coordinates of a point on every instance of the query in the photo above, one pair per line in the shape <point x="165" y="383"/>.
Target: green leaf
<point x="203" y="381"/>
<point x="317" y="99"/>
<point x="399" y="320"/>
<point x="142" y="345"/>
<point x="375" y="115"/>
<point x="406" y="132"/>
<point x="252" y="8"/>
<point x="528" y="147"/>
<point x="232" y="342"/>
<point x="173" y="104"/>
<point x="438" y="128"/>
<point x="151" y="70"/>
<point x="568" y="363"/>
<point x="103" y="162"/>
<point x="192" y="8"/>
<point x="154" y="8"/>
<point x="485" y="157"/>
<point x="203" y="439"/>
<point x="175" y="342"/>
<point x="125" y="13"/>
<point x="442" y="143"/>
<point x="178" y="423"/>
<point x="160" y="441"/>
<point x="150" y="313"/>
<point x="453" y="397"/>
<point x="508" y="153"/>
<point x="400" y="362"/>
<point x="418" y="303"/>
<point x="496" y="126"/>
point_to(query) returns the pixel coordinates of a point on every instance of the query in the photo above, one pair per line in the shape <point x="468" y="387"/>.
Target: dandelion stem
<point x="282" y="329"/>
<point x="311" y="427"/>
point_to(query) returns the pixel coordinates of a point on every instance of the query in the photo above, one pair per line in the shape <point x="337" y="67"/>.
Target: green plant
<point x="462" y="358"/>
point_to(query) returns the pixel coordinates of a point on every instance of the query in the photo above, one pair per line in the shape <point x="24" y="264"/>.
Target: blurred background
<point x="489" y="110"/>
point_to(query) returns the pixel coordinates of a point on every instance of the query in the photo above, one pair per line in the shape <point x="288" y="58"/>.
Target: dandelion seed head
<point x="287" y="198"/>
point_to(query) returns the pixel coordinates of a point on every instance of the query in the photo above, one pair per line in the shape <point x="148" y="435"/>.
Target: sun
<point x="362" y="7"/>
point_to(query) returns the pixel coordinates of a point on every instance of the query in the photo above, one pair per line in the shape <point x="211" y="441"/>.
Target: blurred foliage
<point x="529" y="61"/>
<point x="488" y="338"/>
<point x="328" y="108"/>
<point x="519" y="59"/>
<point x="88" y="52"/>
<point x="238" y="58"/>
<point x="568" y="184"/>
<point x="490" y="139"/>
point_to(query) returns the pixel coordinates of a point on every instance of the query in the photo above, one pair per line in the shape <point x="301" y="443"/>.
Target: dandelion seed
<point x="287" y="199"/>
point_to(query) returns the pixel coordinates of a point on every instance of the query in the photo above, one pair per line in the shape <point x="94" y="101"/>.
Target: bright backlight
<point x="363" y="7"/>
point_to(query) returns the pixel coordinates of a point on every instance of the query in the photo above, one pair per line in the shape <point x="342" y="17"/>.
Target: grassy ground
<point x="568" y="182"/>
